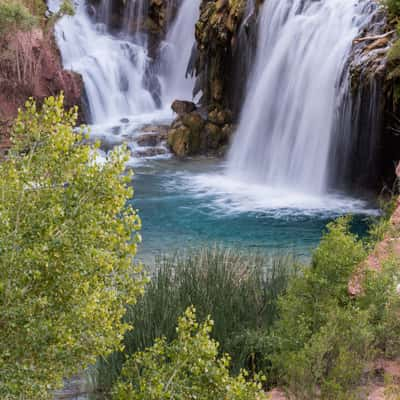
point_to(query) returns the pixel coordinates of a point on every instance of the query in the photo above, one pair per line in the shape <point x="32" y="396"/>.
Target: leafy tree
<point x="187" y="368"/>
<point x="67" y="241"/>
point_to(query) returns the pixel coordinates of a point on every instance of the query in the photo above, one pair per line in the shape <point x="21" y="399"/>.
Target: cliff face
<point x="226" y="38"/>
<point x="375" y="145"/>
<point x="30" y="66"/>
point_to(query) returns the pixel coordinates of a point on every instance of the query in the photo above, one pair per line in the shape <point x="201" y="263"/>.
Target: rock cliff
<point x="30" y="66"/>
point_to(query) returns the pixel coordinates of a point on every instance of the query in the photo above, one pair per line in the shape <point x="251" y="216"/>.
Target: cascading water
<point x="285" y="132"/>
<point x="112" y="69"/>
<point x="123" y="89"/>
<point x="133" y="19"/>
<point x="177" y="51"/>
<point x="301" y="53"/>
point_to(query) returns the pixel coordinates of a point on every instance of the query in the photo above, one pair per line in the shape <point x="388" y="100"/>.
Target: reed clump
<point x="238" y="290"/>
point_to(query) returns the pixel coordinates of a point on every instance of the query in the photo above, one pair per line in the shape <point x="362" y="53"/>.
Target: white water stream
<point x="285" y="132"/>
<point x="177" y="52"/>
<point x="112" y="68"/>
<point x="122" y="90"/>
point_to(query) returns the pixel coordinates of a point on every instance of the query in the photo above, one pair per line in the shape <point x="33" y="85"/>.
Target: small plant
<point x="239" y="290"/>
<point x="187" y="368"/>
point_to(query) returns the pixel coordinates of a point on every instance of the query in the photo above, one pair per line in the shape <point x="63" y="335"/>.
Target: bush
<point x="313" y="337"/>
<point x="381" y="298"/>
<point x="187" y="368"/>
<point x="324" y="339"/>
<point x="393" y="7"/>
<point x="66" y="249"/>
<point x="238" y="290"/>
<point x="15" y="16"/>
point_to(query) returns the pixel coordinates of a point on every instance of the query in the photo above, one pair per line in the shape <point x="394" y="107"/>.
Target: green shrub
<point x="238" y="290"/>
<point x="331" y="363"/>
<point x="381" y="299"/>
<point x="393" y="7"/>
<point x="311" y="341"/>
<point x="324" y="339"/>
<point x="15" y="16"/>
<point x="66" y="248"/>
<point x="187" y="368"/>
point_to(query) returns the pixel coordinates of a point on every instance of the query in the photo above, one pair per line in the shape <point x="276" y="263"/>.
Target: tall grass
<point x="238" y="290"/>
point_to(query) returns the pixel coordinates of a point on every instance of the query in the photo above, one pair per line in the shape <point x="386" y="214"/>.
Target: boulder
<point x="220" y="117"/>
<point x="150" y="152"/>
<point x="213" y="136"/>
<point x="193" y="121"/>
<point x="149" y="139"/>
<point x="184" y="142"/>
<point x="182" y="107"/>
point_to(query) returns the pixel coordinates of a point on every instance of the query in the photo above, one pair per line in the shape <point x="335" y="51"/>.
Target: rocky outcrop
<point x="217" y="58"/>
<point x="366" y="113"/>
<point x="30" y="66"/>
<point x="196" y="132"/>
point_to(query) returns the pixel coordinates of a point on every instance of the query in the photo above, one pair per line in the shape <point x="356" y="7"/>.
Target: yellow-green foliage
<point x="324" y="338"/>
<point x="187" y="368"/>
<point x="393" y="7"/>
<point x="15" y="16"/>
<point x="66" y="247"/>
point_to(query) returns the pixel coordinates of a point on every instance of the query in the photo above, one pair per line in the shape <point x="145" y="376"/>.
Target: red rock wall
<point x="30" y="66"/>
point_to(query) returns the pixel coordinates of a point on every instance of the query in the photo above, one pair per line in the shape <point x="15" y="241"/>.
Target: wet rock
<point x="216" y="36"/>
<point x="182" y="107"/>
<point x="220" y="117"/>
<point x="193" y="121"/>
<point x="161" y="129"/>
<point x="213" y="136"/>
<point x="151" y="139"/>
<point x="184" y="142"/>
<point x="197" y="132"/>
<point x="116" y="130"/>
<point x="150" y="152"/>
<point x="373" y="143"/>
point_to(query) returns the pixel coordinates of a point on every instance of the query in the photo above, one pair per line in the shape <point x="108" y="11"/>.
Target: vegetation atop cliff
<point x="30" y="63"/>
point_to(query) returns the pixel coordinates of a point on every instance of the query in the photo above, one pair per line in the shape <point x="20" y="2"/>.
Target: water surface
<point x="189" y="204"/>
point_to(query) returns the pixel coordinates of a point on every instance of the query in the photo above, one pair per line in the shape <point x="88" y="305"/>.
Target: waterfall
<point x="134" y="18"/>
<point x="287" y="123"/>
<point x="118" y="75"/>
<point x="112" y="69"/>
<point x="177" y="51"/>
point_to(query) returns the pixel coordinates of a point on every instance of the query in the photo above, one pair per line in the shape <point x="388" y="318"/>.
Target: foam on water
<point x="231" y="196"/>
